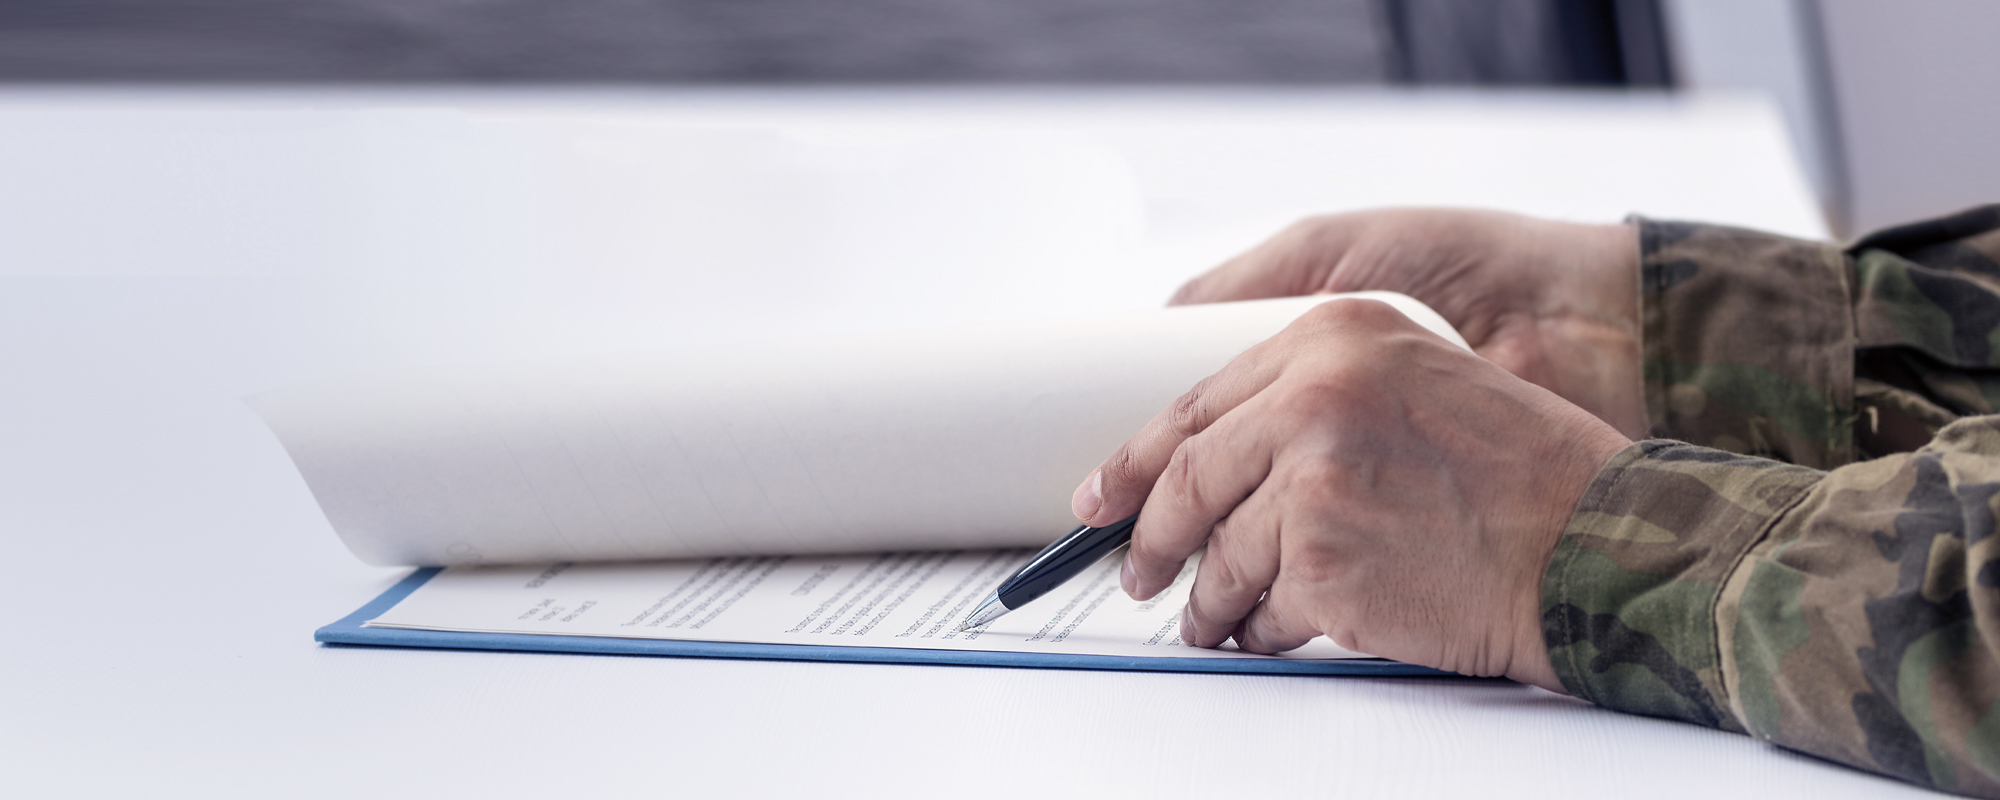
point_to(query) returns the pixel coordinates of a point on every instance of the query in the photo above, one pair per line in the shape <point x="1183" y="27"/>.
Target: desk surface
<point x="162" y="254"/>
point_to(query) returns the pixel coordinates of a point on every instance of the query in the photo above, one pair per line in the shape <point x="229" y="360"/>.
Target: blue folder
<point x="349" y="631"/>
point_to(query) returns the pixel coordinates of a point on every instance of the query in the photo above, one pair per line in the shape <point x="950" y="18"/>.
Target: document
<point x="859" y="491"/>
<point x="904" y="600"/>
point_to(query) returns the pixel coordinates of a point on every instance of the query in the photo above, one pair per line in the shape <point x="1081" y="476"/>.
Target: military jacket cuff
<point x="1748" y="341"/>
<point x="1629" y="597"/>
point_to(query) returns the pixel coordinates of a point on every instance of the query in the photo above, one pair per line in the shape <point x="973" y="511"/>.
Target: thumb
<point x="1297" y="261"/>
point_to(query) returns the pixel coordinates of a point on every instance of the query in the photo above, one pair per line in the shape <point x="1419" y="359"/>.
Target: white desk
<point x="166" y="253"/>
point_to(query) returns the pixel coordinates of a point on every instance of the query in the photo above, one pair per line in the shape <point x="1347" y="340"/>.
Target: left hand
<point x="1356" y="476"/>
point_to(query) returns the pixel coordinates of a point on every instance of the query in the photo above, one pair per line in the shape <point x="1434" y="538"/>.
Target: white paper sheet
<point x="931" y="440"/>
<point x="910" y="600"/>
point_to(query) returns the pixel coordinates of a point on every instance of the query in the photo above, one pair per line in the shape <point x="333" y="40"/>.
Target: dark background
<point x="1478" y="42"/>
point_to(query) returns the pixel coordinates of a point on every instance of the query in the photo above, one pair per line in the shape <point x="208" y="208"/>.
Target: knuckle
<point x="1355" y="315"/>
<point x="1329" y="314"/>
<point x="1315" y="480"/>
<point x="1322" y="405"/>
<point x="1190" y="412"/>
<point x="1323" y="395"/>
<point x="1317" y="569"/>
<point x="1121" y="468"/>
<point x="1182" y="482"/>
<point x="1322" y="564"/>
<point x="1149" y="549"/>
<point x="1226" y="577"/>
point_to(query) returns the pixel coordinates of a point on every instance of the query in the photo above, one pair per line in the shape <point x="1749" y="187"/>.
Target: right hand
<point x="1359" y="477"/>
<point x="1555" y="303"/>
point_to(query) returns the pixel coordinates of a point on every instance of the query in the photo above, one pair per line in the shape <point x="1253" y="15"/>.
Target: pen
<point x="1052" y="567"/>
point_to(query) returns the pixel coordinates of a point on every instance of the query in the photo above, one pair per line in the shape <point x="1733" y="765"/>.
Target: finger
<point x="1119" y="486"/>
<point x="1240" y="565"/>
<point x="1295" y="262"/>
<point x="1269" y="270"/>
<point x="1205" y="480"/>
<point x="1278" y="623"/>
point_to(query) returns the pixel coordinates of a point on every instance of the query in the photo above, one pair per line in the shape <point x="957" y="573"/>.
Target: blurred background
<point x="1891" y="106"/>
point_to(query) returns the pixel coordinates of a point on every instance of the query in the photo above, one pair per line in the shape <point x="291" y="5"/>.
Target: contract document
<point x="863" y="492"/>
<point x="909" y="600"/>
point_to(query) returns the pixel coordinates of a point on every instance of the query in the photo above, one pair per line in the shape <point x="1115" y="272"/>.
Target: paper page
<point x="931" y="440"/>
<point x="908" y="599"/>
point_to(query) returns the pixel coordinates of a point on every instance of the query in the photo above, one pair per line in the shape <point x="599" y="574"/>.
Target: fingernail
<point x="1127" y="579"/>
<point x="1187" y="628"/>
<point x="1089" y="497"/>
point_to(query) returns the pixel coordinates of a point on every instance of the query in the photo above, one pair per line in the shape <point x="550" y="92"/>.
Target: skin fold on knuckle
<point x="1190" y="412"/>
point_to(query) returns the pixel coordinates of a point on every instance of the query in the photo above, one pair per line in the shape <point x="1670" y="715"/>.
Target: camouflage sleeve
<point x="1747" y="341"/>
<point x="1804" y="352"/>
<point x="1927" y="329"/>
<point x="1852" y="614"/>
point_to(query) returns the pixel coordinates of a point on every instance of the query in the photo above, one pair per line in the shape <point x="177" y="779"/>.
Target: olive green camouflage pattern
<point x="1802" y="352"/>
<point x="1853" y="613"/>
<point x="1748" y="342"/>
<point x="1927" y="327"/>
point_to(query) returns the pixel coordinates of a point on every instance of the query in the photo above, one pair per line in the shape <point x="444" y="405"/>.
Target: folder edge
<point x="348" y="631"/>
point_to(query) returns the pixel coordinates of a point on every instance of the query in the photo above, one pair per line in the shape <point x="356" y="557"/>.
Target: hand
<point x="1553" y="302"/>
<point x="1359" y="477"/>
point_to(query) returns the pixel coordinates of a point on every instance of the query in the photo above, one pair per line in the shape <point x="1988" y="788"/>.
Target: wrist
<point x="1589" y="314"/>
<point x="1575" y="472"/>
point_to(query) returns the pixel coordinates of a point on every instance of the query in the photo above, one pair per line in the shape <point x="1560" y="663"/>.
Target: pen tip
<point x="988" y="611"/>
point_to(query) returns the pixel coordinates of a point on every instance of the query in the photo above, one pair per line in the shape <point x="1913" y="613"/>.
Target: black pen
<point x="1052" y="567"/>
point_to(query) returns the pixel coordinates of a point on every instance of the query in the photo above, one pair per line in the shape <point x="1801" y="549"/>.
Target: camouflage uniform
<point x="1814" y="561"/>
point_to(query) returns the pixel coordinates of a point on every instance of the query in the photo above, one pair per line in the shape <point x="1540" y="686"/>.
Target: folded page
<point x="924" y="440"/>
